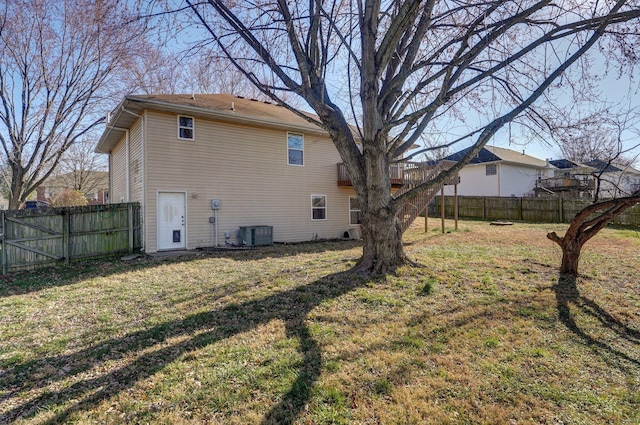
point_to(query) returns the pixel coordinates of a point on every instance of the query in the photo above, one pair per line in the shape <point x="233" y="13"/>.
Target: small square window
<point x="295" y="149"/>
<point x="185" y="127"/>
<point x="354" y="211"/>
<point x="491" y="169"/>
<point x="318" y="207"/>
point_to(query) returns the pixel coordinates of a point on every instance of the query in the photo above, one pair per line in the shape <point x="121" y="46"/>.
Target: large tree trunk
<point x="381" y="234"/>
<point x="16" y="186"/>
<point x="570" y="256"/>
<point x="382" y="243"/>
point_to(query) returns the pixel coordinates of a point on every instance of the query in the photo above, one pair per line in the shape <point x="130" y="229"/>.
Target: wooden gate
<point x="45" y="235"/>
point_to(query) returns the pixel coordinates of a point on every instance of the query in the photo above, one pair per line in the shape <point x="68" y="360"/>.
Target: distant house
<point x="207" y="169"/>
<point x="93" y="184"/>
<point x="580" y="180"/>
<point x="499" y="172"/>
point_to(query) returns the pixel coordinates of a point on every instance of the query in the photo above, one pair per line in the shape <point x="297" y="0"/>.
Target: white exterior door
<point x="171" y="221"/>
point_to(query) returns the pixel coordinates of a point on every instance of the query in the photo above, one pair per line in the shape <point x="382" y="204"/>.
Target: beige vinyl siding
<point x="136" y="162"/>
<point x="117" y="172"/>
<point x="118" y="164"/>
<point x="246" y="168"/>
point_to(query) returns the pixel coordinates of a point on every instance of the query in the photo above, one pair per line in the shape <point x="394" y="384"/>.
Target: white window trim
<point x="192" y="128"/>
<point x="350" y="211"/>
<point x="325" y="207"/>
<point x="301" y="150"/>
<point x="494" y="166"/>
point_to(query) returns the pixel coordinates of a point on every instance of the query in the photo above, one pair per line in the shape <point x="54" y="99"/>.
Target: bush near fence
<point x="532" y="210"/>
<point x="35" y="237"/>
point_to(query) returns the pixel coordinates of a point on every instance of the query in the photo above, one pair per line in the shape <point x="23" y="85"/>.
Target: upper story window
<point x="295" y="149"/>
<point x="491" y="169"/>
<point x="185" y="127"/>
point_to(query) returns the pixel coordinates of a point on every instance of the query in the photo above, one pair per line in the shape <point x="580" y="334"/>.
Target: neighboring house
<point x="580" y="180"/>
<point x="94" y="184"/>
<point x="205" y="167"/>
<point x="499" y="172"/>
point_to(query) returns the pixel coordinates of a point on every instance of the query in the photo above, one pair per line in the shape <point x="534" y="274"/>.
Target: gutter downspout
<point x="499" y="177"/>
<point x="144" y="176"/>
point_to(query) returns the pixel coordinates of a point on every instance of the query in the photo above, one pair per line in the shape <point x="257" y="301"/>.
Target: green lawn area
<point x="483" y="334"/>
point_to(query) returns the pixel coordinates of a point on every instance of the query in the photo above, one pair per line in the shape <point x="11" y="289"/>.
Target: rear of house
<point x="205" y="166"/>
<point x="498" y="171"/>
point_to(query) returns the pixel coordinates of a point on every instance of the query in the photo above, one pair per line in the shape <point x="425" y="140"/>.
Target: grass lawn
<point x="485" y="333"/>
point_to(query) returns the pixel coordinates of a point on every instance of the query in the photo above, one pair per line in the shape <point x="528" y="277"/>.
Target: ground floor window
<point x="354" y="211"/>
<point x="319" y="207"/>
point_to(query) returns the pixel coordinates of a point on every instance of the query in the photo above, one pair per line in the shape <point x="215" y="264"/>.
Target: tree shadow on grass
<point x="568" y="296"/>
<point x="200" y="330"/>
<point x="63" y="274"/>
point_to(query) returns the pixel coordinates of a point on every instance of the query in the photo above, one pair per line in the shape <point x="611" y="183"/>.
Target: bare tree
<point x="82" y="169"/>
<point x="603" y="144"/>
<point x="58" y="66"/>
<point x="597" y="143"/>
<point x="69" y="198"/>
<point x="159" y="71"/>
<point x="585" y="225"/>
<point x="385" y="73"/>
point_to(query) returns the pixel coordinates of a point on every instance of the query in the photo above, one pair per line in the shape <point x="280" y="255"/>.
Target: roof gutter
<point x="234" y="117"/>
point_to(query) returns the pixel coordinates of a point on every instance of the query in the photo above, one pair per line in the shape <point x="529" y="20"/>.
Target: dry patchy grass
<point x="485" y="333"/>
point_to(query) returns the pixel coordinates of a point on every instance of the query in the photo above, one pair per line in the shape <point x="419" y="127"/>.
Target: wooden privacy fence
<point x="541" y="210"/>
<point x="35" y="237"/>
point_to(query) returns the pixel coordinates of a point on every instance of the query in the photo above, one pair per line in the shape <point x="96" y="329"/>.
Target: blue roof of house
<point x="493" y="154"/>
<point x="602" y="166"/>
<point x="562" y="163"/>
<point x="483" y="156"/>
<point x="597" y="164"/>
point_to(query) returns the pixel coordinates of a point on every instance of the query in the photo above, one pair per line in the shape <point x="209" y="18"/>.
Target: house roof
<point x="602" y="166"/>
<point x="563" y="163"/>
<point x="597" y="165"/>
<point x="494" y="154"/>
<point x="224" y="107"/>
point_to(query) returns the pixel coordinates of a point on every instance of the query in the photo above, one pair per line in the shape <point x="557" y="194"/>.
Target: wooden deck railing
<point x="401" y="173"/>
<point x="565" y="182"/>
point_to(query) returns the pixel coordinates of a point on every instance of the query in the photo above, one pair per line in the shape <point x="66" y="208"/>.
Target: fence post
<point x="520" y="207"/>
<point x="4" y="245"/>
<point x="484" y="207"/>
<point x="561" y="209"/>
<point x="66" y="240"/>
<point x="442" y="207"/>
<point x="130" y="216"/>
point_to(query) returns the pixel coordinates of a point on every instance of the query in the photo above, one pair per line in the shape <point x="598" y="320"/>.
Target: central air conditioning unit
<point x="256" y="235"/>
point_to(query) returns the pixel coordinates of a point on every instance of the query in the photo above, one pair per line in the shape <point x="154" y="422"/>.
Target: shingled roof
<point x="494" y="154"/>
<point x="223" y="107"/>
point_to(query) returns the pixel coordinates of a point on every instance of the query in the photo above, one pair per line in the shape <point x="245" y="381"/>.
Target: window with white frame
<point x="354" y="211"/>
<point x="318" y="207"/>
<point x="491" y="169"/>
<point x="185" y="127"/>
<point x="295" y="149"/>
